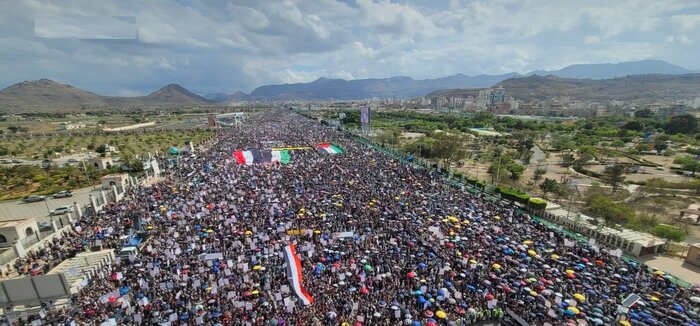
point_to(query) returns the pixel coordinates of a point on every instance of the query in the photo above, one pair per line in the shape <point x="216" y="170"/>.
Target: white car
<point x="62" y="210"/>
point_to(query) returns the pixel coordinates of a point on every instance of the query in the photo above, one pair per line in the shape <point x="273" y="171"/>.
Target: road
<point x="16" y="209"/>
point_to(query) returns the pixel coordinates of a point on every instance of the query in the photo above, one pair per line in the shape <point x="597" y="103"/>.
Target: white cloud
<point x="247" y="43"/>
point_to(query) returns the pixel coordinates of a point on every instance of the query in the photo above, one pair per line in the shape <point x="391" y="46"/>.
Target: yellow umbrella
<point x="458" y="226"/>
<point x="472" y="261"/>
<point x="569" y="271"/>
<point x="659" y="273"/>
<point x="532" y="253"/>
<point x="527" y="242"/>
<point x="580" y="297"/>
<point x="210" y="231"/>
<point x="625" y="323"/>
<point x="466" y="222"/>
<point x="255" y="292"/>
<point x="150" y="227"/>
<point x="441" y="314"/>
<point x="452" y="233"/>
<point x="654" y="299"/>
<point x="555" y="256"/>
<point x="317" y="231"/>
<point x="248" y="232"/>
<point x="256" y="267"/>
<point x="496" y="266"/>
<point x="496" y="217"/>
<point x="453" y="219"/>
<point x="533" y="293"/>
<point x="445" y="220"/>
<point x="574" y="310"/>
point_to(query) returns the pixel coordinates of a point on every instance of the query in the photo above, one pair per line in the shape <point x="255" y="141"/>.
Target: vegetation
<point x="669" y="232"/>
<point x="22" y="180"/>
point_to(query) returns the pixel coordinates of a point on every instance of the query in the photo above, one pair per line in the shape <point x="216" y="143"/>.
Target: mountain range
<point x="46" y="93"/>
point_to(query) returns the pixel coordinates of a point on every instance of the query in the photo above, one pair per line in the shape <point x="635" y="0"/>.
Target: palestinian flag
<point x="294" y="274"/>
<point x="261" y="156"/>
<point x="330" y="148"/>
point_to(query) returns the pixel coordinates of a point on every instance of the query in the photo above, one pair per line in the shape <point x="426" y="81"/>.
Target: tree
<point x="660" y="146"/>
<point x="633" y="125"/>
<point x="449" y="147"/>
<point x="101" y="149"/>
<point x="13" y="129"/>
<point x="644" y="113"/>
<point x="548" y="186"/>
<point x="682" y="124"/>
<point x="567" y="160"/>
<point x="614" y="176"/>
<point x="516" y="170"/>
<point x="688" y="163"/>
<point x="537" y="175"/>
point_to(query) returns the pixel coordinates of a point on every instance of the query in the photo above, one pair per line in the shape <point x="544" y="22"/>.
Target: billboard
<point x="365" y="120"/>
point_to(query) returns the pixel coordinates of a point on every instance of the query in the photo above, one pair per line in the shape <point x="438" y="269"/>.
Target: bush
<point x="668" y="232"/>
<point x="537" y="204"/>
<point x="514" y="195"/>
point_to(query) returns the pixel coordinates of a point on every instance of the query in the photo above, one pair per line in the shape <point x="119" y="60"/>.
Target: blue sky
<point x="119" y="47"/>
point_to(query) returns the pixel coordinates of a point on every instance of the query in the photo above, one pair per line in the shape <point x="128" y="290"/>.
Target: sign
<point x="630" y="300"/>
<point x="213" y="256"/>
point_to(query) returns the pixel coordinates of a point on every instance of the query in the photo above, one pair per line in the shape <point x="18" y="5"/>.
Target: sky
<point x="121" y="47"/>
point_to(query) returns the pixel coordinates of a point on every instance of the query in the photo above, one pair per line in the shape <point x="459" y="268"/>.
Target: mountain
<point x="402" y="87"/>
<point x="45" y="93"/>
<point x="636" y="89"/>
<point x="174" y="94"/>
<point x="612" y="70"/>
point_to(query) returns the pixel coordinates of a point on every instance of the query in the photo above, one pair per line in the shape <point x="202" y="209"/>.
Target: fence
<point x="7" y="256"/>
<point x="30" y="240"/>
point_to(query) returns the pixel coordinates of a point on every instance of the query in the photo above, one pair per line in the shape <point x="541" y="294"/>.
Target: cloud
<point x="212" y="46"/>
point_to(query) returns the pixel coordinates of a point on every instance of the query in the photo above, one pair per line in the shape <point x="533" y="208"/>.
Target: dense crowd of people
<point x="380" y="242"/>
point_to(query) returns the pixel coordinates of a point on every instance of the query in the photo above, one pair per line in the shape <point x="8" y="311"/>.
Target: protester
<point x="380" y="243"/>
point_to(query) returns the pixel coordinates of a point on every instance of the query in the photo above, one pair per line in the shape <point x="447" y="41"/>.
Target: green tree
<point x="537" y="175"/>
<point x="516" y="170"/>
<point x="688" y="163"/>
<point x="644" y="113"/>
<point x="567" y="160"/>
<point x="450" y="147"/>
<point x="614" y="176"/>
<point x="660" y="146"/>
<point x="548" y="186"/>
<point x="682" y="124"/>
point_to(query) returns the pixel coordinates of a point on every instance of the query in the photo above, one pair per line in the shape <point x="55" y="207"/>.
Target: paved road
<point x="16" y="209"/>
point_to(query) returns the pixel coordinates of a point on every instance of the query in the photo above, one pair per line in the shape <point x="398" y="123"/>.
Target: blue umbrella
<point x="184" y="316"/>
<point x="216" y="313"/>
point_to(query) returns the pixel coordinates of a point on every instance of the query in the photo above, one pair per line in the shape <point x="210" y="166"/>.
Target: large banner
<point x="365" y="119"/>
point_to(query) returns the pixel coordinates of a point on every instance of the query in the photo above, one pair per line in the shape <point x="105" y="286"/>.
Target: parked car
<point x="33" y="199"/>
<point x="5" y="162"/>
<point x="61" y="210"/>
<point x="63" y="194"/>
<point x="16" y="161"/>
<point x="44" y="226"/>
<point x="72" y="160"/>
<point x="46" y="164"/>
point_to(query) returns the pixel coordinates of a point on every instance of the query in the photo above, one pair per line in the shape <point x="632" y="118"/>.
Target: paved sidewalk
<point x="674" y="266"/>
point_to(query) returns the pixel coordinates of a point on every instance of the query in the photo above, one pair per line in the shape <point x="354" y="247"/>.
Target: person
<point x="380" y="242"/>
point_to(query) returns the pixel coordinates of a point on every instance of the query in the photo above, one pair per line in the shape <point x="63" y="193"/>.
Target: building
<point x="120" y="180"/>
<point x="693" y="256"/>
<point x="17" y="230"/>
<point x="101" y="163"/>
<point x="71" y="126"/>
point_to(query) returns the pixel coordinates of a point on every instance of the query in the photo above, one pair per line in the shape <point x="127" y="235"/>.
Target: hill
<point x="45" y="93"/>
<point x="612" y="70"/>
<point x="402" y="87"/>
<point x="637" y="89"/>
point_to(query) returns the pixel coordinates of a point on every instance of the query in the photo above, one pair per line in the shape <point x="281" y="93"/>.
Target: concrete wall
<point x="693" y="256"/>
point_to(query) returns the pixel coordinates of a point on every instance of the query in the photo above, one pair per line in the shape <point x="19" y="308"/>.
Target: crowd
<point x="380" y="243"/>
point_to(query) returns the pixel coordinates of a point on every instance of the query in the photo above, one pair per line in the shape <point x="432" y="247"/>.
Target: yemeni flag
<point x="330" y="148"/>
<point x="294" y="274"/>
<point x="261" y="156"/>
